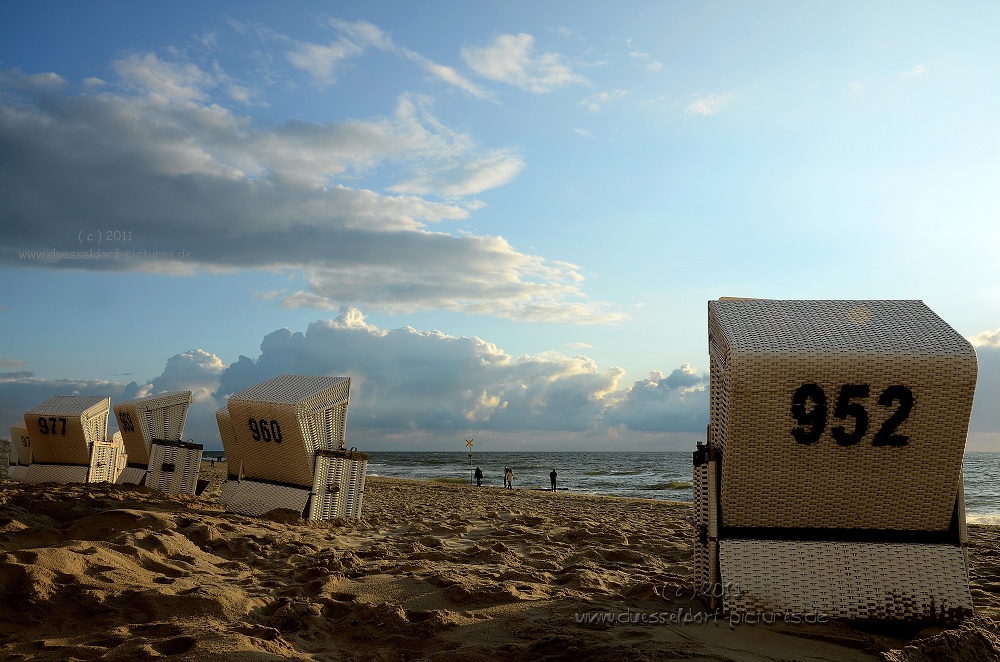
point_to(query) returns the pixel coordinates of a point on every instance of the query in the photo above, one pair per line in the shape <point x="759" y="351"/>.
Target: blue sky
<point x="501" y="219"/>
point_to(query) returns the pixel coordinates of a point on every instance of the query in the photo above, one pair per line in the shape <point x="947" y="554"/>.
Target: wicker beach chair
<point x="158" y="420"/>
<point x="64" y="431"/>
<point x="20" y="453"/>
<point x="288" y="444"/>
<point x="831" y="481"/>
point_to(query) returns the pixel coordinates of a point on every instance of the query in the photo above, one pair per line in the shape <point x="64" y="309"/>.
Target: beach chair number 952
<point x="264" y="430"/>
<point x="810" y="409"/>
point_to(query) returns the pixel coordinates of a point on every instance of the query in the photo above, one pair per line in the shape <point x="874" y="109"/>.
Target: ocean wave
<point x="672" y="485"/>
<point x="989" y="520"/>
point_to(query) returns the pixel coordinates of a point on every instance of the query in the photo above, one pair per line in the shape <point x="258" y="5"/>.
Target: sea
<point x="664" y="475"/>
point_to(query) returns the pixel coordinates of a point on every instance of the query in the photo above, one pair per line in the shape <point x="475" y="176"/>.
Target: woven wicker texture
<point x="339" y="485"/>
<point x="4" y="458"/>
<point x="845" y="580"/>
<point x="17" y="473"/>
<point x="142" y="420"/>
<point x="56" y="473"/>
<point x="706" y="525"/>
<point x="107" y="460"/>
<point x="174" y="467"/>
<point x="229" y="446"/>
<point x="281" y="423"/>
<point x="20" y="446"/>
<point x="64" y="428"/>
<point x="249" y="497"/>
<point x="763" y="351"/>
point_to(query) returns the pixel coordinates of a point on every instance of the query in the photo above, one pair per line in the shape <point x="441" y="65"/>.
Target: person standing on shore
<point x="508" y="478"/>
<point x="479" y="477"/>
<point x="552" y="478"/>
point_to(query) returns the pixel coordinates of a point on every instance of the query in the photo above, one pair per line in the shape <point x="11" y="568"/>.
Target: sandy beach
<point x="432" y="571"/>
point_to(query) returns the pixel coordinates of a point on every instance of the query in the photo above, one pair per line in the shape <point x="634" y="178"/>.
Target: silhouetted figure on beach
<point x="508" y="478"/>
<point x="552" y="477"/>
<point x="479" y="477"/>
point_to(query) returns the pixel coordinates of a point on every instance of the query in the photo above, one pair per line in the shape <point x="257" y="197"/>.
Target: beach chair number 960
<point x="264" y="430"/>
<point x="809" y="408"/>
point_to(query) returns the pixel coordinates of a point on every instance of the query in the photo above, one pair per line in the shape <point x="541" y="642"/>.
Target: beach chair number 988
<point x="264" y="430"/>
<point x="809" y="409"/>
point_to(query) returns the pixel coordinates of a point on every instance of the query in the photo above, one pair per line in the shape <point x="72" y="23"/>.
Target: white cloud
<point x="15" y="79"/>
<point x="445" y="73"/>
<point x="986" y="339"/>
<point x="409" y="385"/>
<point x="363" y="33"/>
<point x="598" y="102"/>
<point x="184" y="173"/>
<point x="172" y="81"/>
<point x="456" y="179"/>
<point x="321" y="61"/>
<point x="709" y="105"/>
<point x="646" y="61"/>
<point x="408" y="379"/>
<point x="510" y="59"/>
<point x="677" y="402"/>
<point x="196" y="371"/>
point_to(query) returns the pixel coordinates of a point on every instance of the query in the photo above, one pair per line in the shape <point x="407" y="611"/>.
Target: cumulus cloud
<point x="676" y="402"/>
<point x="511" y="59"/>
<point x="196" y="371"/>
<point x="426" y="380"/>
<point x="188" y="177"/>
<point x="985" y="414"/>
<point x="418" y="389"/>
<point x="986" y="339"/>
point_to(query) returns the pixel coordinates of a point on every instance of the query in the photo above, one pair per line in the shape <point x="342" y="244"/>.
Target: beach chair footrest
<point x="253" y="498"/>
<point x="56" y="473"/>
<point x="850" y="580"/>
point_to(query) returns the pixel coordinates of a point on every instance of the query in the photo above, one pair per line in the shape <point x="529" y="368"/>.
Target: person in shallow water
<point x="479" y="477"/>
<point x="552" y="478"/>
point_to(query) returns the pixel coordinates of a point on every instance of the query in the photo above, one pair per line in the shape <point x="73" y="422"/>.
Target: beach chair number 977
<point x="45" y="428"/>
<point x="809" y="409"/>
<point x="264" y="430"/>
